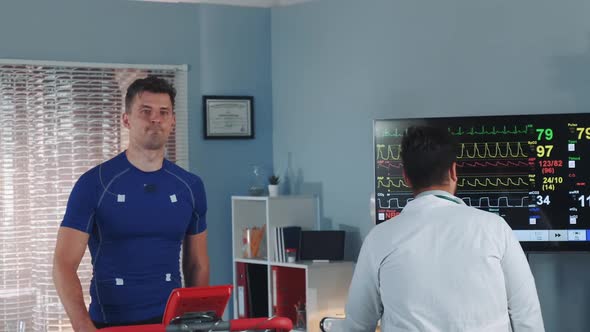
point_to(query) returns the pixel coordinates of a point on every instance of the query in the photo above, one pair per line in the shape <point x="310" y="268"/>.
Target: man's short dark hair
<point x="152" y="84"/>
<point x="427" y="154"/>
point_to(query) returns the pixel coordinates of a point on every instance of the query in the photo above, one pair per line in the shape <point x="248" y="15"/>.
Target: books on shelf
<point x="252" y="285"/>
<point x="242" y="290"/>
<point x="283" y="238"/>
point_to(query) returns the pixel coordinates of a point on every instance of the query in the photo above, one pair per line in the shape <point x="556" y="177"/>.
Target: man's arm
<point x="195" y="264"/>
<point x="364" y="307"/>
<point x="69" y="250"/>
<point x="523" y="302"/>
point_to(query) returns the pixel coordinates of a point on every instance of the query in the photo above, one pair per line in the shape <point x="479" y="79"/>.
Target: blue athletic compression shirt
<point x="136" y="221"/>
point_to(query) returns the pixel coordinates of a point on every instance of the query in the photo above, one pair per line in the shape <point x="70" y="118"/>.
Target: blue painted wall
<point x="227" y="50"/>
<point x="235" y="60"/>
<point x="336" y="66"/>
<point x="339" y="64"/>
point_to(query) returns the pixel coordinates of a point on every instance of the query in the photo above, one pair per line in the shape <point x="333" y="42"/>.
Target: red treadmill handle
<point x="136" y="328"/>
<point x="280" y="323"/>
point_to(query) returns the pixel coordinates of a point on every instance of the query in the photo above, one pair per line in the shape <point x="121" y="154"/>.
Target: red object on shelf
<point x="288" y="290"/>
<point x="243" y="291"/>
<point x="202" y="300"/>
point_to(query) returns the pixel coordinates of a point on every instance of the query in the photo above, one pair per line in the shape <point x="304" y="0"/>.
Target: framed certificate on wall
<point x="228" y="117"/>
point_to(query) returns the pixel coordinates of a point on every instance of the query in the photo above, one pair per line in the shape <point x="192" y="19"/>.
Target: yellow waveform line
<point x="487" y="181"/>
<point x="387" y="182"/>
<point x="487" y="152"/>
<point x="393" y="152"/>
<point x="468" y="150"/>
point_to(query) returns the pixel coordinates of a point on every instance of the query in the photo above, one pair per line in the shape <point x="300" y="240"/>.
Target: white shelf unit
<point x="326" y="284"/>
<point x="251" y="211"/>
<point x="326" y="290"/>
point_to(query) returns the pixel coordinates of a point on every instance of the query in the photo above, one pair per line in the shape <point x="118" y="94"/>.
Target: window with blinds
<point x="57" y="121"/>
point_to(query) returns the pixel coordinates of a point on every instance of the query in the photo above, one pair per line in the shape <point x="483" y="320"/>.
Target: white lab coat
<point x="443" y="266"/>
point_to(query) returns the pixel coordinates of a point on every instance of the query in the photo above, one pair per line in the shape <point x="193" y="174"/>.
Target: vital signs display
<point x="533" y="170"/>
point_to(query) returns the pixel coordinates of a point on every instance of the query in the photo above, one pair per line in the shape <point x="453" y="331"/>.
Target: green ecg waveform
<point x="393" y="133"/>
<point x="515" y="130"/>
<point x="483" y="130"/>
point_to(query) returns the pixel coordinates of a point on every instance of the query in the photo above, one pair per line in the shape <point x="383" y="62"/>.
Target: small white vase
<point x="273" y="190"/>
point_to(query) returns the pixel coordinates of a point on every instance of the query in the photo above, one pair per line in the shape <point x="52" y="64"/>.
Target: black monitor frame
<point x="532" y="158"/>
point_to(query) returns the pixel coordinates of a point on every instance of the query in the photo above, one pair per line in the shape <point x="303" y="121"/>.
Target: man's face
<point x="150" y="121"/>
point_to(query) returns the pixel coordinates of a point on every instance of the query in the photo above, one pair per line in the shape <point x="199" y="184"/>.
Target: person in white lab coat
<point x="441" y="266"/>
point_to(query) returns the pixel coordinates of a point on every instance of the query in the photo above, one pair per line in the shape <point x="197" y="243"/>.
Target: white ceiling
<point x="243" y="3"/>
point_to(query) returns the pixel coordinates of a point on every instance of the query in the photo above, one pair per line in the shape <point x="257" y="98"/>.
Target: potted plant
<point x="273" y="186"/>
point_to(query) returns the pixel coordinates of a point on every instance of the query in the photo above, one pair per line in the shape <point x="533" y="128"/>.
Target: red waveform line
<point x="507" y="163"/>
<point x="388" y="164"/>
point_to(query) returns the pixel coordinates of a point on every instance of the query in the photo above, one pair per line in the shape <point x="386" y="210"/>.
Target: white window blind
<point x="57" y="120"/>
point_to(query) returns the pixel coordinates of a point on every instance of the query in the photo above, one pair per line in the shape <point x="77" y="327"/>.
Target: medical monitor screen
<point x="532" y="170"/>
